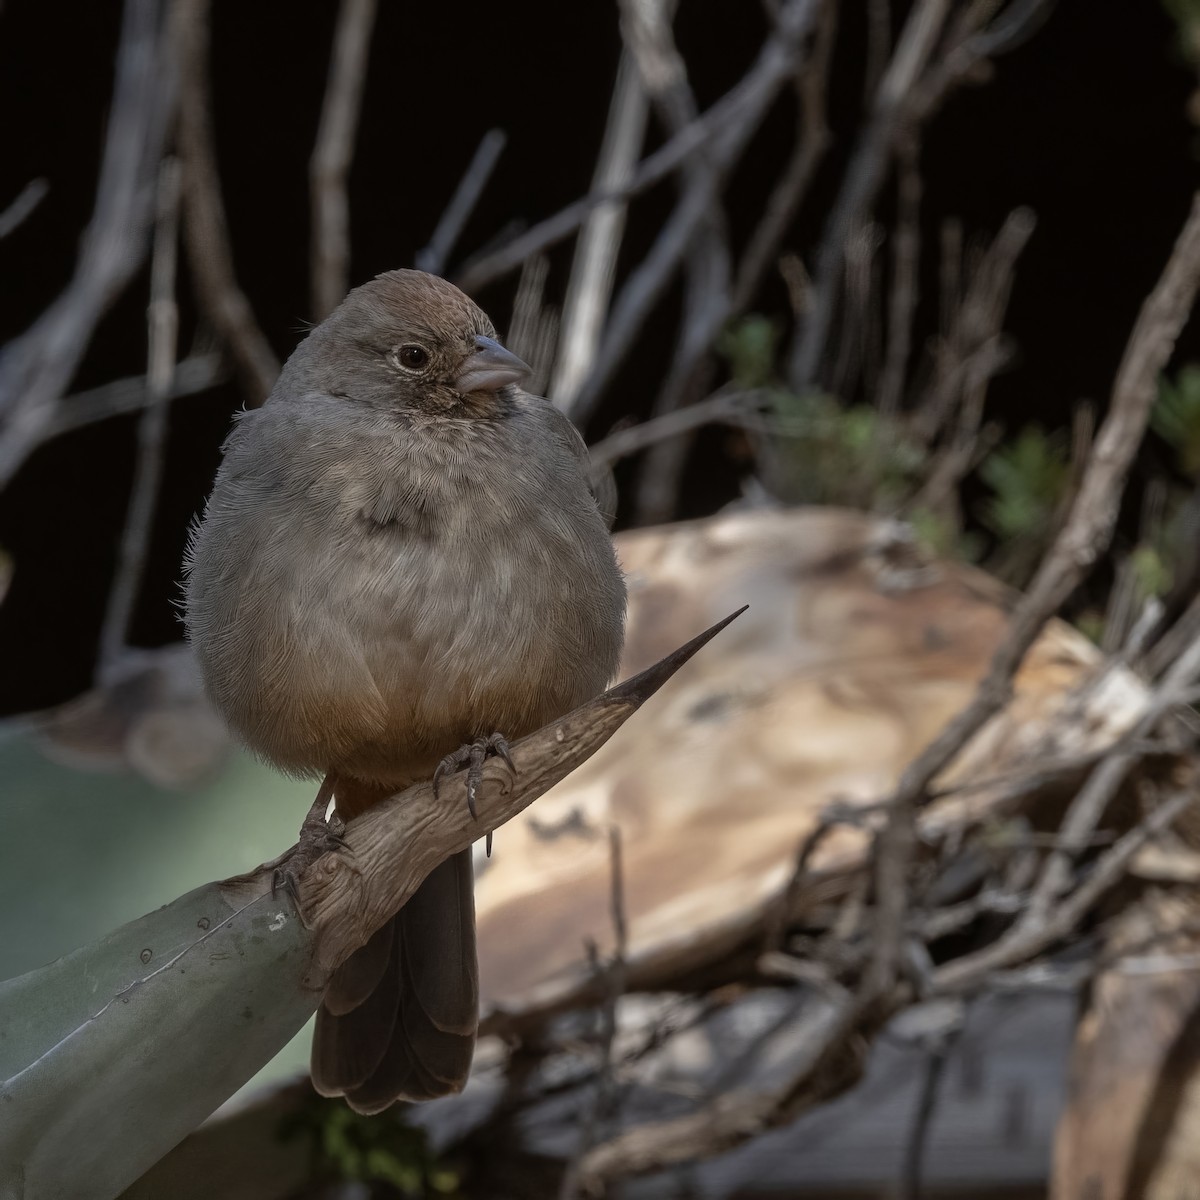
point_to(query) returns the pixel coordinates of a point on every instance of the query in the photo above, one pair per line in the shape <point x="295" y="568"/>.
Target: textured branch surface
<point x="347" y="895"/>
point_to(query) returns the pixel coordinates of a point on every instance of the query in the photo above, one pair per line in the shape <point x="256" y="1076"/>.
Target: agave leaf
<point x="114" y="1053"/>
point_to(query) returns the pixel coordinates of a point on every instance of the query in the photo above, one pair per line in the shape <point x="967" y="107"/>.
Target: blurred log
<point x="855" y="652"/>
<point x="1131" y="1125"/>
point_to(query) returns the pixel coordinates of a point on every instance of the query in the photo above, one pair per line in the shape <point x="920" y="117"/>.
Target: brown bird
<point x="401" y="563"/>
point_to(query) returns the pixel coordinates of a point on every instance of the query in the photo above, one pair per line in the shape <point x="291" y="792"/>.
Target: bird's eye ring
<point x="412" y="358"/>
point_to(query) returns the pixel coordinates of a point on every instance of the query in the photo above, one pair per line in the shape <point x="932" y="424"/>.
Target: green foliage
<point x="381" y="1150"/>
<point x="1151" y="571"/>
<point x="750" y="347"/>
<point x="1176" y="418"/>
<point x="827" y="454"/>
<point x="1029" y="478"/>
<point x="941" y="534"/>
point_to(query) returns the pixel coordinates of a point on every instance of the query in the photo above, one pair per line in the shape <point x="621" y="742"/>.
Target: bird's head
<point x="408" y="340"/>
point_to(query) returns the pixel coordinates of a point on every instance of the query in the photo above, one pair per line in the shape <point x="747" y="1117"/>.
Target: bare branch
<point x="594" y="267"/>
<point x="1090" y="525"/>
<point x="333" y="153"/>
<point x="905" y="291"/>
<point x="433" y="258"/>
<point x="192" y="377"/>
<point x="723" y="407"/>
<point x="658" y="485"/>
<point x="741" y="104"/>
<point x="23" y="206"/>
<point x="163" y="327"/>
<point x="38" y="365"/>
<point x="863" y="179"/>
<point x="775" y="64"/>
<point x="1089" y="804"/>
<point x="207" y="236"/>
<point x="970" y="971"/>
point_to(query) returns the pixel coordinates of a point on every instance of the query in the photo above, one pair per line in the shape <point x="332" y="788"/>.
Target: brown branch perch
<point x="346" y="896"/>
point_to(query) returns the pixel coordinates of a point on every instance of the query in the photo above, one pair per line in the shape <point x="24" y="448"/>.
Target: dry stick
<point x="1085" y="535"/>
<point x="937" y="1056"/>
<point x="908" y="95"/>
<point x="659" y="481"/>
<point x="812" y="141"/>
<point x="741" y="104"/>
<point x="333" y="153"/>
<point x="594" y="266"/>
<point x="23" y="206"/>
<point x="721" y="408"/>
<point x="1090" y="802"/>
<point x="973" y="352"/>
<point x="191" y="377"/>
<point x="775" y="64"/>
<point x="614" y="989"/>
<point x="708" y="264"/>
<point x="163" y="327"/>
<point x="206" y="232"/>
<point x="38" y="365"/>
<point x="905" y="290"/>
<point x="433" y="257"/>
<point x="863" y="179"/>
<point x="970" y="971"/>
<point x="1174" y="640"/>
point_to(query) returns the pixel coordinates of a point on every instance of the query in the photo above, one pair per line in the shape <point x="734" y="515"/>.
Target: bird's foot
<point x="318" y="837"/>
<point x="472" y="756"/>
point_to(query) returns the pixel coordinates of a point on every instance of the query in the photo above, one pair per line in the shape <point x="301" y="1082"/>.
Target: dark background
<point x="1086" y="124"/>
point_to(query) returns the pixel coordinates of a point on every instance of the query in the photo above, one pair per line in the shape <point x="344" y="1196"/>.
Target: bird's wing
<point x="599" y="477"/>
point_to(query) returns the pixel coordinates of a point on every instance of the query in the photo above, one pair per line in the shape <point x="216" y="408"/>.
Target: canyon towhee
<point x="401" y="561"/>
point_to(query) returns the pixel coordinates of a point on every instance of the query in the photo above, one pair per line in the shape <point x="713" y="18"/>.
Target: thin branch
<point x="594" y="267"/>
<point x="23" y="206"/>
<point x="776" y="63"/>
<point x="905" y="290"/>
<point x="1089" y="804"/>
<point x="937" y="1056"/>
<point x="433" y="257"/>
<point x="333" y="153"/>
<point x="658" y="485"/>
<point x="38" y="365"/>
<point x="721" y="408"/>
<point x="863" y="179"/>
<point x="969" y="971"/>
<point x="739" y="105"/>
<point x="615" y="979"/>
<point x="192" y="377"/>
<point x="163" y="327"/>
<point x="210" y="256"/>
<point x="1090" y="524"/>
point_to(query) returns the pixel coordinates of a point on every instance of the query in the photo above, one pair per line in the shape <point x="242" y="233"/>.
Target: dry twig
<point x="595" y="264"/>
<point x="22" y="206"/>
<point x="206" y="230"/>
<point x="38" y="365"/>
<point x="163" y="328"/>
<point x="333" y="153"/>
<point x="433" y="257"/>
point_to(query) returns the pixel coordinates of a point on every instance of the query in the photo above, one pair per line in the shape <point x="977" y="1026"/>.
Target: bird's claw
<point x="318" y="837"/>
<point x="472" y="756"/>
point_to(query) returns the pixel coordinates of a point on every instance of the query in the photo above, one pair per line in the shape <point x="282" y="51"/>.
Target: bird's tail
<point x="399" y="1017"/>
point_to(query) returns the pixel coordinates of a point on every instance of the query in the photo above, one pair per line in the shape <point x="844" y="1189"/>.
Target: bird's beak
<point x="490" y="368"/>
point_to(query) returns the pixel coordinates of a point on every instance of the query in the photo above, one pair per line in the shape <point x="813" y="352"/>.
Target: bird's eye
<point x="412" y="357"/>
